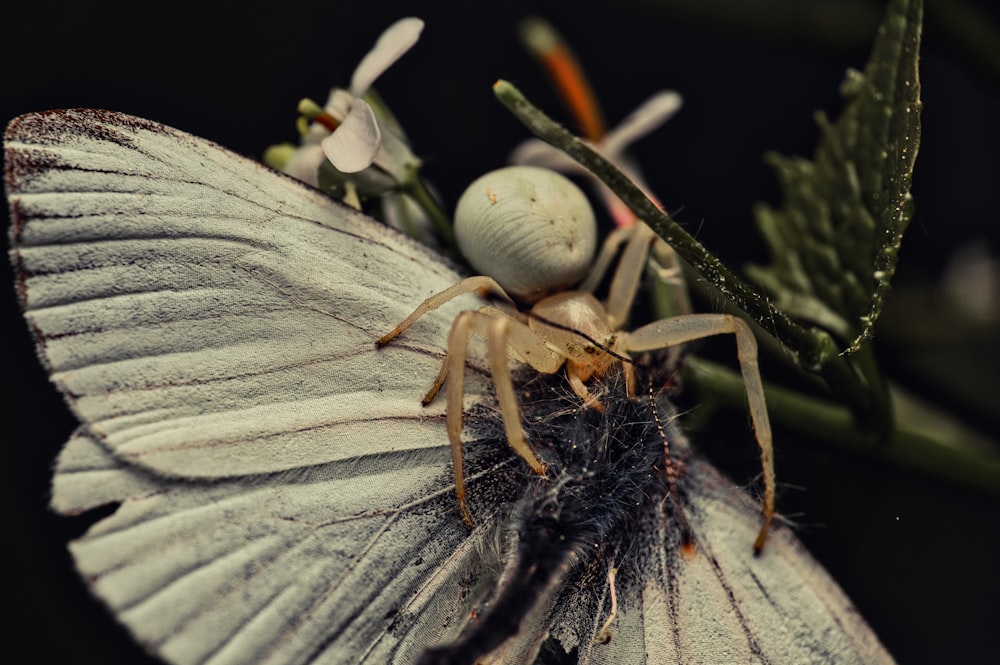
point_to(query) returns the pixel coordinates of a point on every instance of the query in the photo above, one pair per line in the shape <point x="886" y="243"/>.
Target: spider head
<point x="575" y="325"/>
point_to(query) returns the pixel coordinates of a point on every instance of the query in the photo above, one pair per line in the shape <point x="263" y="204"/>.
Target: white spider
<point x="531" y="232"/>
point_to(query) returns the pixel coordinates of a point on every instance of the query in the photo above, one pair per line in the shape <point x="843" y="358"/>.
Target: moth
<point x="283" y="497"/>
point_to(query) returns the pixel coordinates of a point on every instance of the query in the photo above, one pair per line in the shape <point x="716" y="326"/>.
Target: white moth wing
<point x="284" y="496"/>
<point x="325" y="565"/>
<point x="724" y="604"/>
<point x="284" y="499"/>
<point x="206" y="316"/>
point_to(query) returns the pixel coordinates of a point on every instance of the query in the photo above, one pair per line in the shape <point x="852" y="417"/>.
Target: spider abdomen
<point x="529" y="228"/>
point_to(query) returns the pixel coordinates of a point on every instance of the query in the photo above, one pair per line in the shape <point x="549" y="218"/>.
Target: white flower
<point x="349" y="133"/>
<point x="651" y="114"/>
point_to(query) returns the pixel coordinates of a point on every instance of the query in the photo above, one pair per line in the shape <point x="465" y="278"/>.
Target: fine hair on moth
<point x="566" y="527"/>
<point x="531" y="233"/>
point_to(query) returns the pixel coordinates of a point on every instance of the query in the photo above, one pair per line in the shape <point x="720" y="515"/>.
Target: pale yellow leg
<point x="509" y="407"/>
<point x="629" y="380"/>
<point x="640" y="241"/>
<point x="681" y="329"/>
<point x="580" y="388"/>
<point x="500" y="330"/>
<point x="442" y="375"/>
<point x="669" y="287"/>
<point x="625" y="283"/>
<point x="604" y="258"/>
<point x="666" y="264"/>
<point x="465" y="286"/>
<point x="458" y="340"/>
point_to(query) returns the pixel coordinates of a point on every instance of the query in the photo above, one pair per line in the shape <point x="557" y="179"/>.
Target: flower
<point x="347" y="140"/>
<point x="612" y="146"/>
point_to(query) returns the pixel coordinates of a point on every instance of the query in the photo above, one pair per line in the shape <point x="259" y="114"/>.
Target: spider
<point x="531" y="232"/>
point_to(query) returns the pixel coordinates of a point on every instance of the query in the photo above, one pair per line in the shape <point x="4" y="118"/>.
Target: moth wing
<point x="207" y="317"/>
<point x="724" y="605"/>
<point x="284" y="497"/>
<point x="311" y="567"/>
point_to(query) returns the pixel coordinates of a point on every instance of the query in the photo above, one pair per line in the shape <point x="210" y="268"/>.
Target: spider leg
<point x="442" y="375"/>
<point x="458" y="340"/>
<point x="666" y="265"/>
<point x="497" y="341"/>
<point x="504" y="335"/>
<point x="465" y="286"/>
<point x="625" y="282"/>
<point x="604" y="258"/>
<point x="580" y="388"/>
<point x="681" y="329"/>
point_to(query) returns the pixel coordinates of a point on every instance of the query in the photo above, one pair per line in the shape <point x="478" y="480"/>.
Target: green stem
<point x="946" y="451"/>
<point x="815" y="350"/>
<point x="414" y="186"/>
<point x="878" y="388"/>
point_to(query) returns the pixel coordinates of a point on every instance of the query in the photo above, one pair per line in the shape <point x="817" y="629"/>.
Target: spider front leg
<point x="625" y="282"/>
<point x="502" y="333"/>
<point x="641" y="243"/>
<point x="681" y="329"/>
<point x="477" y="283"/>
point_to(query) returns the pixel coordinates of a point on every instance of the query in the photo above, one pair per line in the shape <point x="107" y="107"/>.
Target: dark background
<point x="918" y="555"/>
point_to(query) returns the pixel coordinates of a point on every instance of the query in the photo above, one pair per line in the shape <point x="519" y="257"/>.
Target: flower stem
<point x="415" y="187"/>
<point x="942" y="448"/>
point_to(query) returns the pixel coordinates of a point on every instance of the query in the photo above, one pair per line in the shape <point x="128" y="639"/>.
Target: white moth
<point x="284" y="498"/>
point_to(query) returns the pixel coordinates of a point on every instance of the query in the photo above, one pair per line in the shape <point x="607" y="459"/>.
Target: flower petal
<point x="304" y="164"/>
<point x="650" y="115"/>
<point x="352" y="147"/>
<point x="535" y="152"/>
<point x="394" y="42"/>
<point x="338" y="104"/>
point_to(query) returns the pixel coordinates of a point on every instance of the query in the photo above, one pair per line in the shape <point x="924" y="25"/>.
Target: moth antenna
<point x="688" y="546"/>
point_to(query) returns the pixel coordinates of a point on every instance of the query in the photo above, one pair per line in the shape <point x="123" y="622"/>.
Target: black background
<point x="919" y="556"/>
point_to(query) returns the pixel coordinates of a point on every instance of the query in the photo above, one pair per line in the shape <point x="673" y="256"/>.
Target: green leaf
<point x="836" y="237"/>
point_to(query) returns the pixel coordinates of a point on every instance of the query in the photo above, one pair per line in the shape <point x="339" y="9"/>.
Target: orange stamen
<point x="567" y="75"/>
<point x="327" y="121"/>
